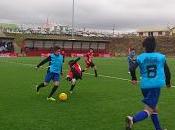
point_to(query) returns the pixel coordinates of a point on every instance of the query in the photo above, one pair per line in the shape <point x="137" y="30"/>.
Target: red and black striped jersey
<point x="89" y="57"/>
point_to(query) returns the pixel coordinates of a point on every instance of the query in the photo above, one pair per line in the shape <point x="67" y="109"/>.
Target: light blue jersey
<point x="152" y="70"/>
<point x="56" y="63"/>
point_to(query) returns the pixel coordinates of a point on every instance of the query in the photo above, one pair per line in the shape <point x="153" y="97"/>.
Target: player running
<point x="89" y="61"/>
<point x="131" y="58"/>
<point x="54" y="71"/>
<point x="155" y="75"/>
<point x="74" y="73"/>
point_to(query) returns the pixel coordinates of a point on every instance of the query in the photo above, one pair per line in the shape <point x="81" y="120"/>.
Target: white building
<point x="172" y="31"/>
<point x="155" y="31"/>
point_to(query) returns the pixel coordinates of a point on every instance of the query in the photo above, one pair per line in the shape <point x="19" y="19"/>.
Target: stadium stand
<point x="35" y="45"/>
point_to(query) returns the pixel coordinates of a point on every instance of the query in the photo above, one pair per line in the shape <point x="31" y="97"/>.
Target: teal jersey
<point x="56" y="63"/>
<point x="152" y="70"/>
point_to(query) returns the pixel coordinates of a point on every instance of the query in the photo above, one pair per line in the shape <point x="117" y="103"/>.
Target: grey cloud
<point x="91" y="13"/>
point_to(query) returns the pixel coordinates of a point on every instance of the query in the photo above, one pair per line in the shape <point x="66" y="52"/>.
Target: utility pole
<point x="113" y="30"/>
<point x="73" y="6"/>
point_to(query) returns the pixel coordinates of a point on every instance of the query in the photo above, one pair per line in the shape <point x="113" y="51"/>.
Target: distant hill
<point x="8" y="26"/>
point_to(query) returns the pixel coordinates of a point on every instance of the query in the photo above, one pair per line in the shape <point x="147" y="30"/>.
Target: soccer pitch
<point x="97" y="103"/>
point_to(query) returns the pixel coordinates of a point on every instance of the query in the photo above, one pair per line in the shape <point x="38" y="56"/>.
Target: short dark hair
<point x="132" y="48"/>
<point x="91" y="49"/>
<point x="56" y="48"/>
<point x="149" y="44"/>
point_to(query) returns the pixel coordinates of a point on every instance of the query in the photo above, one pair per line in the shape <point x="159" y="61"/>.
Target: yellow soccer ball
<point x="63" y="97"/>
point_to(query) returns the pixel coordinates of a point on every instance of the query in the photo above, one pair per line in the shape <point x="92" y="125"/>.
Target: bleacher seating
<point x="68" y="52"/>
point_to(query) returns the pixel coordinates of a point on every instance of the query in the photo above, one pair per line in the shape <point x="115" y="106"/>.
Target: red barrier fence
<point x="12" y="54"/>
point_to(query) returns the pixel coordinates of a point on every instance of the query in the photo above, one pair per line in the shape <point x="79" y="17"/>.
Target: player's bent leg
<point x="86" y="69"/>
<point x="51" y="99"/>
<point x="73" y="82"/>
<point x="95" y="71"/>
<point x="41" y="85"/>
<point x="56" y="83"/>
<point x="48" y="78"/>
<point x="46" y="83"/>
<point x="150" y="110"/>
<point x="140" y="116"/>
<point x="129" y="122"/>
<point x="55" y="87"/>
<point x="153" y="112"/>
<point x="155" y="120"/>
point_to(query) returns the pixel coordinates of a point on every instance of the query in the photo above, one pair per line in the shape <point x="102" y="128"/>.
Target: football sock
<point x="53" y="91"/>
<point x="140" y="116"/>
<point x="72" y="87"/>
<point x="155" y="121"/>
<point x="95" y="73"/>
<point x="40" y="86"/>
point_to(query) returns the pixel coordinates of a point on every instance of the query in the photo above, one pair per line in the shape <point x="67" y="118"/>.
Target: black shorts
<point x="75" y="76"/>
<point x="91" y="64"/>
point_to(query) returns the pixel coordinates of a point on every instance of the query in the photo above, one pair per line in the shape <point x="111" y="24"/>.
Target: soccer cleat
<point x="37" y="90"/>
<point x="129" y="72"/>
<point x="129" y="123"/>
<point x="51" y="99"/>
<point x="70" y="92"/>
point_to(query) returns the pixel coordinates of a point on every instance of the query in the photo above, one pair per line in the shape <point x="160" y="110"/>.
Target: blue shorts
<point x="52" y="76"/>
<point x="151" y="97"/>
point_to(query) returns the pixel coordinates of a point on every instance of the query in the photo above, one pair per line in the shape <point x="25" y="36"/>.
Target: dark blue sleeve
<point x="44" y="61"/>
<point x="167" y="74"/>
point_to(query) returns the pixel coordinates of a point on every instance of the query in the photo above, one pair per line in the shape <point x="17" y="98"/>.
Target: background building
<point x="155" y="31"/>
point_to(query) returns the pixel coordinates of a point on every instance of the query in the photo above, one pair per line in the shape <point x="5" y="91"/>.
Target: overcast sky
<point x="103" y="14"/>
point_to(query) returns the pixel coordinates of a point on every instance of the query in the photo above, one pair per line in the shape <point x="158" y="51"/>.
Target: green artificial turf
<point x="96" y="104"/>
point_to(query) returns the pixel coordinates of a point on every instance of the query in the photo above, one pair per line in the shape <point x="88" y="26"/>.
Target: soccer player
<point x="155" y="75"/>
<point x="54" y="71"/>
<point x="74" y="73"/>
<point x="89" y="61"/>
<point x="131" y="58"/>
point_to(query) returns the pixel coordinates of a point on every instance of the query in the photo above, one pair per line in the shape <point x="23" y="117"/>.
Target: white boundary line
<point x="111" y="77"/>
<point x="24" y="64"/>
<point x="100" y="75"/>
<point x="32" y="65"/>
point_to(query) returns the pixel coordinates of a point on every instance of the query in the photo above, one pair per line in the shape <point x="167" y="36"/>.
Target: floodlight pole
<point x="113" y="30"/>
<point x="73" y="6"/>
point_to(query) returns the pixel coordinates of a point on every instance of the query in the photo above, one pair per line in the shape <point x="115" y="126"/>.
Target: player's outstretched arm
<point x="62" y="71"/>
<point x="76" y="60"/>
<point x="167" y="75"/>
<point x="44" y="61"/>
